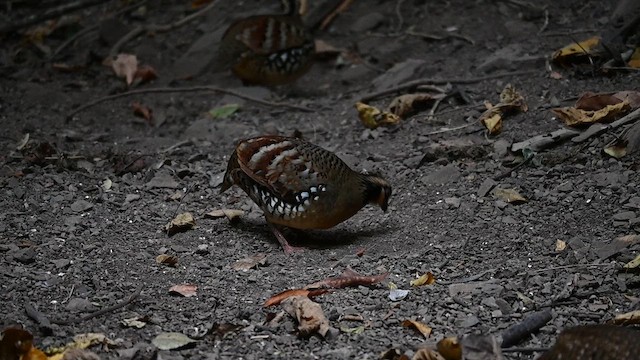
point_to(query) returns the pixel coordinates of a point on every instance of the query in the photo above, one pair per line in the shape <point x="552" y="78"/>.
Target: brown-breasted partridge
<point x="268" y="49"/>
<point x="301" y="185"/>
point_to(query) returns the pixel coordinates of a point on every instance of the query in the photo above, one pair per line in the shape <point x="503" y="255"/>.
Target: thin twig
<point x="399" y="15"/>
<point x="553" y="268"/>
<point x="440" y="37"/>
<point x="101" y="312"/>
<point x="445" y="130"/>
<point x="73" y="287"/>
<point x="153" y="28"/>
<point x="43" y="322"/>
<point x="63" y="9"/>
<point x="546" y="22"/>
<point x="509" y="171"/>
<point x="427" y="81"/>
<point x="185" y="89"/>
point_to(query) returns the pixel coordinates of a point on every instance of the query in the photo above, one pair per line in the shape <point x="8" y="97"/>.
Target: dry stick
<point x="185" y="89"/>
<point x="115" y="49"/>
<point x="100" y="312"/>
<point x="440" y="37"/>
<point x="516" y="333"/>
<point x="542" y="141"/>
<point x="43" y="322"/>
<point x="50" y="14"/>
<point x="341" y="8"/>
<point x="427" y="81"/>
<point x="509" y="171"/>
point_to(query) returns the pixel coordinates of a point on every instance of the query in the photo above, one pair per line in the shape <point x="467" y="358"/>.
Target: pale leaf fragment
<point x="510" y="196"/>
<point x="310" y="317"/>
<point x="250" y="262"/>
<point x="125" y="66"/>
<point x="418" y="326"/>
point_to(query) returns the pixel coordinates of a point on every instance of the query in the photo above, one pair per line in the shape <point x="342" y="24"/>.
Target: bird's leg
<point x="288" y="249"/>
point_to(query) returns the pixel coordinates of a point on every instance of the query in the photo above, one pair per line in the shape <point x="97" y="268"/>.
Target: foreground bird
<point x="300" y="185"/>
<point x="268" y="49"/>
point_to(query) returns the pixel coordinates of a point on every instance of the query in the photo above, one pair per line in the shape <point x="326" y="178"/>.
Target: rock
<point x="399" y="73"/>
<point x="25" y="256"/>
<point x="367" y="22"/>
<point x="80" y="305"/>
<point x="624" y="216"/>
<point x="487" y="185"/>
<point x="446" y="175"/>
<point x="81" y="206"/>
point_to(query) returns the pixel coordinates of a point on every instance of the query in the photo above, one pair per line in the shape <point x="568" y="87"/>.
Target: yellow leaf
<point x="427" y="279"/>
<point x="617" y="149"/>
<point x="634" y="61"/>
<point x="560" y="245"/>
<point x="493" y="123"/>
<point x="572" y="116"/>
<point x="633" y="264"/>
<point x="372" y="117"/>
<point x="450" y="348"/>
<point x="509" y="195"/>
<point x="576" y="49"/>
<point x="418" y="326"/>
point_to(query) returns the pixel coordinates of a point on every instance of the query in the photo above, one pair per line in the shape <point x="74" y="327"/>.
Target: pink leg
<point x="288" y="249"/>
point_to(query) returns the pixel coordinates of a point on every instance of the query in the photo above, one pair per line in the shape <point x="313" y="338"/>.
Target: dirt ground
<point x="81" y="229"/>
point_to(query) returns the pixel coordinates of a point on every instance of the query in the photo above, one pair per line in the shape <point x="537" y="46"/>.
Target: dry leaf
<point x="509" y="195"/>
<point x="186" y="290"/>
<point x="634" y="61"/>
<point x="134" y="322"/>
<point x="427" y="354"/>
<point x="493" y="123"/>
<point x="573" y="116"/>
<point x="629" y="318"/>
<point x="353" y="330"/>
<point x="278" y="298"/>
<point x="418" y="326"/>
<point x="231" y="214"/>
<point x="510" y="100"/>
<point x="172" y="341"/>
<point x="348" y="278"/>
<point x="372" y="117"/>
<point x="627" y="143"/>
<point x="450" y="348"/>
<point x="575" y="51"/>
<point x="425" y="279"/>
<point x="309" y="315"/>
<point x="560" y="245"/>
<point x="125" y="66"/>
<point x="180" y="223"/>
<point x="145" y="73"/>
<point x="633" y="264"/>
<point x="165" y="259"/>
<point x="408" y="104"/>
<point x="142" y="111"/>
<point x="250" y="262"/>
